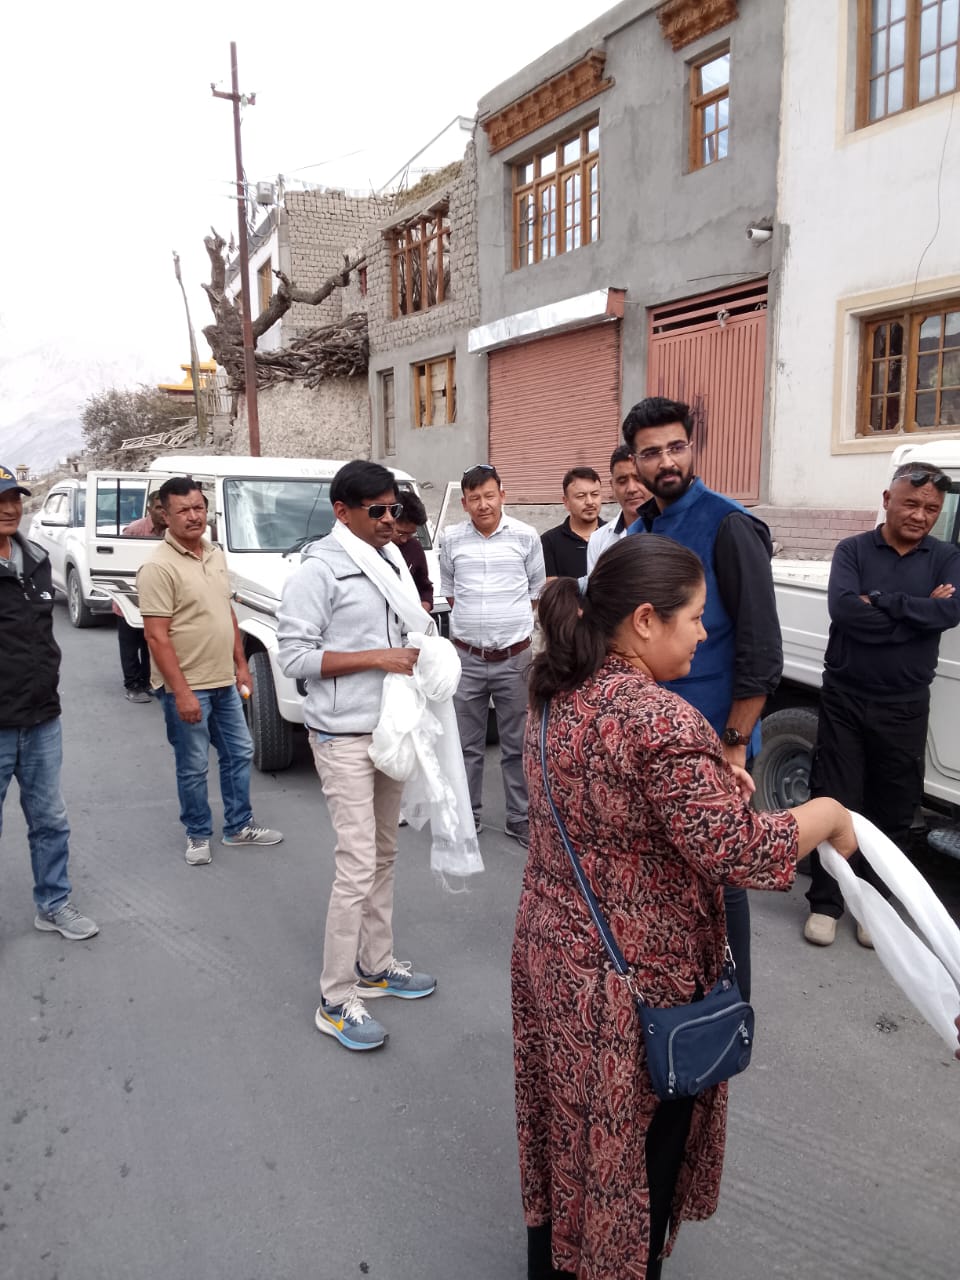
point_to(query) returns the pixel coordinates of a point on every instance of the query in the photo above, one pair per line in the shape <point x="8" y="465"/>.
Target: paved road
<point x="168" y="1111"/>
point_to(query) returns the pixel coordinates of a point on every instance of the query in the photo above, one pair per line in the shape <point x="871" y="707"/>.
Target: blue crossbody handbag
<point x="690" y="1047"/>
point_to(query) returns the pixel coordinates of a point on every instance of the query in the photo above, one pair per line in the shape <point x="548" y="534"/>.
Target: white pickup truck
<point x="781" y="771"/>
<point x="262" y="511"/>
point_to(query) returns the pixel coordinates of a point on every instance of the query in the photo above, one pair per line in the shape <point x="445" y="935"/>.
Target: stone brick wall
<point x="322" y="226"/>
<point x="296" y="422"/>
<point x="809" y="533"/>
<point x="461" y="309"/>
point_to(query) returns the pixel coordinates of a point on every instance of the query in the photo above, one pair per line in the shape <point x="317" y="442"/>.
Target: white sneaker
<point x="198" y="851"/>
<point x="821" y="930"/>
<point x="253" y="835"/>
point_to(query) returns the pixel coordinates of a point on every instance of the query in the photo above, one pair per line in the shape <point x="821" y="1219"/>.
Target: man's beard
<point x="672" y="490"/>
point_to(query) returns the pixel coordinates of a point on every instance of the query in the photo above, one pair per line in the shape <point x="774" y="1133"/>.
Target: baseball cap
<point x="8" y="481"/>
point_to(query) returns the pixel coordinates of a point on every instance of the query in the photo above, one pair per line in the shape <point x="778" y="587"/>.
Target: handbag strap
<point x="609" y="941"/>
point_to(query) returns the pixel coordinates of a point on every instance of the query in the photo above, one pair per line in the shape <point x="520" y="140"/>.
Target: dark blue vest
<point x="693" y="521"/>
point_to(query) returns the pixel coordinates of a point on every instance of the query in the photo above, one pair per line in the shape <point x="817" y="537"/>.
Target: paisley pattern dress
<point x="650" y="805"/>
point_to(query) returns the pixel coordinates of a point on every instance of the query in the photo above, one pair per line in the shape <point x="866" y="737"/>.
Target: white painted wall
<point x="857" y="209"/>
<point x="269" y="251"/>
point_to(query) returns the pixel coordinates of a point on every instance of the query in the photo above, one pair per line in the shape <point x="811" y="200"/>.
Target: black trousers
<point x="134" y="656"/>
<point x="666" y="1140"/>
<point x="869" y="756"/>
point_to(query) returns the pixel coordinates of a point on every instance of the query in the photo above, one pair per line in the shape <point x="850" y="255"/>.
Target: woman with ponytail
<point x="660" y="822"/>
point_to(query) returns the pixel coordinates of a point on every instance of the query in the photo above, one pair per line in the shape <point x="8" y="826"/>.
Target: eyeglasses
<point x="377" y="510"/>
<point x="919" y="478"/>
<point x="676" y="449"/>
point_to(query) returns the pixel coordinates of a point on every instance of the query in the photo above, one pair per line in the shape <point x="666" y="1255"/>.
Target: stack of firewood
<point x="335" y="351"/>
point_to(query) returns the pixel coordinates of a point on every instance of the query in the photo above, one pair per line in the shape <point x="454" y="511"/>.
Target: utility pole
<point x="249" y="359"/>
<point x="200" y="407"/>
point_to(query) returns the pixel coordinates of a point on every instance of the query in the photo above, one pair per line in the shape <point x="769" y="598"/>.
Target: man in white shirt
<point x="628" y="490"/>
<point x="491" y="571"/>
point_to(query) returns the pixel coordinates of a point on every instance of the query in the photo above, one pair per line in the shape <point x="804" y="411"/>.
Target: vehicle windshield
<point x="947" y="527"/>
<point x="274" y="515"/>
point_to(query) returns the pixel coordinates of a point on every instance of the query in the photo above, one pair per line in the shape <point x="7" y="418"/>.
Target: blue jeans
<point x="222" y="724"/>
<point x="33" y="757"/>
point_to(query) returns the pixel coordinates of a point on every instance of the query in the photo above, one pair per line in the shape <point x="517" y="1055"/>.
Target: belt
<point x="493" y="655"/>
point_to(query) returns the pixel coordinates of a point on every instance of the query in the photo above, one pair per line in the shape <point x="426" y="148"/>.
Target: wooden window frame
<point x="423" y="373"/>
<point x="410" y="251"/>
<point x="550" y="189"/>
<point x="388" y="411"/>
<point x="914" y="10"/>
<point x="264" y="285"/>
<point x="910" y="320"/>
<point x="700" y="103"/>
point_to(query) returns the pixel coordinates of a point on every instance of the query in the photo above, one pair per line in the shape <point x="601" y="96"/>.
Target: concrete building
<point x="617" y="177"/>
<point x="428" y="394"/>
<point x="867" y="344"/>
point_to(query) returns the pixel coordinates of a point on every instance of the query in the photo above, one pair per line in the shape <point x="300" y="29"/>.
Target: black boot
<point x="540" y="1256"/>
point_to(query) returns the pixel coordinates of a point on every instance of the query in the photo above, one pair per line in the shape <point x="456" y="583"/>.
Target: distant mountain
<point x="42" y="392"/>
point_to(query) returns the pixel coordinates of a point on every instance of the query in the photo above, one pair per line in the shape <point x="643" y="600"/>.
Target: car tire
<point x="272" y="735"/>
<point x="80" y="614"/>
<point x="782" y="769"/>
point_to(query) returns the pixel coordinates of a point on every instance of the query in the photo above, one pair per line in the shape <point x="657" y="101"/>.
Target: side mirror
<point x="60" y="520"/>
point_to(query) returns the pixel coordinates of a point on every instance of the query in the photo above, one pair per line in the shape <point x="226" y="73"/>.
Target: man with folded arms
<point x="492" y="572"/>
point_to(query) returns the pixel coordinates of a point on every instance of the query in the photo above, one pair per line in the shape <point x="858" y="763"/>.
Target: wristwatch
<point x="734" y="738"/>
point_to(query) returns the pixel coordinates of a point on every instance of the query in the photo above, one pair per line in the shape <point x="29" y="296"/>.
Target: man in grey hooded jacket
<point x="338" y="633"/>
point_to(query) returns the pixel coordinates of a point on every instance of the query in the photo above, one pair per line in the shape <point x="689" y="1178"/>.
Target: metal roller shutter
<point x="554" y="404"/>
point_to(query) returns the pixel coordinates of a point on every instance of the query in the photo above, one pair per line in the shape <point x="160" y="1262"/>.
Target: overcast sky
<point x="115" y="153"/>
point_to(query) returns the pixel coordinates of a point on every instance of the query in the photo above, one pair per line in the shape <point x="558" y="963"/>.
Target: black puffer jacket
<point x="29" y="655"/>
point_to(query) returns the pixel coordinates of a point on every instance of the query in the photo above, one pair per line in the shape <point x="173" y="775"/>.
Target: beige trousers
<point x="364" y="808"/>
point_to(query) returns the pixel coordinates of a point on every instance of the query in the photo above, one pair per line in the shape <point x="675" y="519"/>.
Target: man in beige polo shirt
<point x="197" y="653"/>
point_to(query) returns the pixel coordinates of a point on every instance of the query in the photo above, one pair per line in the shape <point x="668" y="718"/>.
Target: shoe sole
<point x="45" y="926"/>
<point x="374" y="993"/>
<point x="819" y="942"/>
<point x="329" y="1029"/>
<point x="198" y="862"/>
<point x="249" y="844"/>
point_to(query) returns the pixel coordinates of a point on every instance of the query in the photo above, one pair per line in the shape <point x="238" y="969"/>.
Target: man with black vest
<point x="738" y="666"/>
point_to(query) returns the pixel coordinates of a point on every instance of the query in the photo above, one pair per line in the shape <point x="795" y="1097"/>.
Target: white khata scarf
<point x="927" y="967"/>
<point x="416" y="739"/>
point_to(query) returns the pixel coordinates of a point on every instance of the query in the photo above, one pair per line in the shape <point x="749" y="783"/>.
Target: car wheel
<point x="782" y="769"/>
<point x="272" y="735"/>
<point x="80" y="615"/>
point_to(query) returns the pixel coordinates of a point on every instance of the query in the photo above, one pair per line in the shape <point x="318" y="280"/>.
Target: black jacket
<point x="29" y="655"/>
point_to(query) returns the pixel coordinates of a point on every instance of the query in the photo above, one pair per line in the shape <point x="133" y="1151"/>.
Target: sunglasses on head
<point x="919" y="478"/>
<point x="377" y="510"/>
<point x="477" y="466"/>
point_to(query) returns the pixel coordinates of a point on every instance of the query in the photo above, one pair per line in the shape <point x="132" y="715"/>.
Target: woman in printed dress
<point x="661" y="822"/>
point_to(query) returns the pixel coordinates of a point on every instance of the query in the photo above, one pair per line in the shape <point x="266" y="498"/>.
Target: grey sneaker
<point x="520" y="831"/>
<point x="198" y="851"/>
<point x="398" y="979"/>
<point x="350" y="1024"/>
<point x="137" y="695"/>
<point x="67" y="921"/>
<point x="253" y="835"/>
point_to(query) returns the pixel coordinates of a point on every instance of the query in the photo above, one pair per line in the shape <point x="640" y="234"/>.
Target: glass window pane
<point x="878" y="383"/>
<point x="927" y="409"/>
<point x="878" y="106"/>
<point x="894" y="369"/>
<point x="525" y="173"/>
<point x="897" y="9"/>
<point x="948" y="21"/>
<point x="930" y="333"/>
<point x="710" y="119"/>
<point x="896" y="339"/>
<point x="948" y="70"/>
<point x="898" y="34"/>
<point x="715" y="74"/>
<point x="950" y="409"/>
<point x="723" y="112"/>
<point x="721" y="144"/>
<point x="893" y="413"/>
<point x="928" y="29"/>
<point x="950" y="370"/>
<point x="951" y="329"/>
<point x="548" y="163"/>
<point x="880" y="14"/>
<point x="894" y="92"/>
<point x="928" y="369"/>
<point x="927" y="88"/>
<point x="571" y="151"/>
<point x="878" y="52"/>
<point x="876" y="415"/>
<point x="879" y="341"/>
<point x="593" y="138"/>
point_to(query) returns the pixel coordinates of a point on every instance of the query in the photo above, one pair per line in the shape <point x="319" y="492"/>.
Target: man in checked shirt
<point x="491" y="571"/>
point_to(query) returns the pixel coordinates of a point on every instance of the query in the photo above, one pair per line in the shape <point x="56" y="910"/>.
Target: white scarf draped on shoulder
<point x="416" y="739"/>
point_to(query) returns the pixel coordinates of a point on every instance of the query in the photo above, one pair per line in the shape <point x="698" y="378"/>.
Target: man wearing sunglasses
<point x="739" y="664"/>
<point x="891" y="596"/>
<point x="337" y="631"/>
